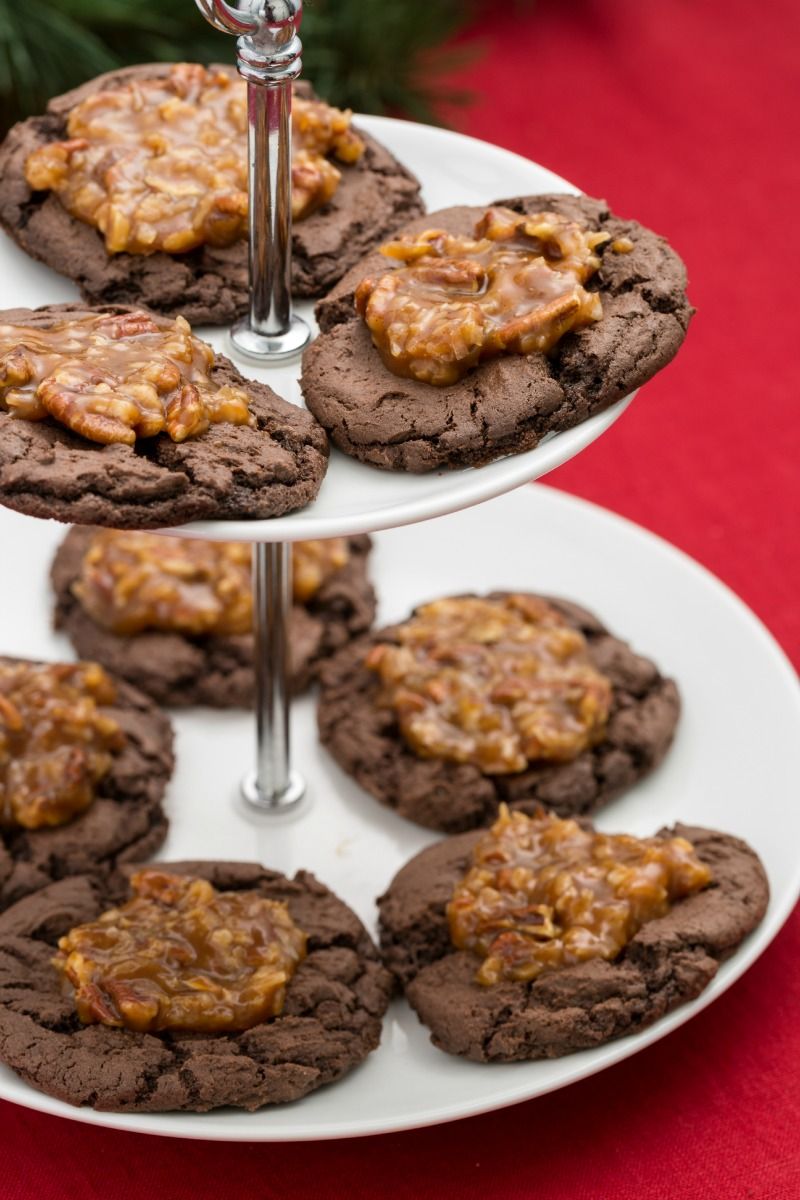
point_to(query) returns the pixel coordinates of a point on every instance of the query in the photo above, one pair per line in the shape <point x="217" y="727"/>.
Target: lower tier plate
<point x="735" y="766"/>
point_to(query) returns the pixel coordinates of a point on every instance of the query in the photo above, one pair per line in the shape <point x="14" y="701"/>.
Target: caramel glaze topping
<point x="496" y="683"/>
<point x="543" y="893"/>
<point x="161" y="164"/>
<point x="55" y="742"/>
<point x="516" y="288"/>
<point x="130" y="582"/>
<point x="116" y="378"/>
<point x="180" y="955"/>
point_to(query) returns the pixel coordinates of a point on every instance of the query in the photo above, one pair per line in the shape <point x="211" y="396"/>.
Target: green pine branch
<point x="372" y="55"/>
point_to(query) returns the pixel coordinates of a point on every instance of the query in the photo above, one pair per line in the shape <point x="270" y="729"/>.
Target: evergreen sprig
<point x="371" y="55"/>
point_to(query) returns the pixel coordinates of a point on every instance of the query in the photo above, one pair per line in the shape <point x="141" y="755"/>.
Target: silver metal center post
<point x="268" y="57"/>
<point x="273" y="786"/>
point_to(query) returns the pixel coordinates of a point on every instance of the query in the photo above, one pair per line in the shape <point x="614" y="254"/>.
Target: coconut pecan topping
<point x="130" y="582"/>
<point x="161" y="164"/>
<point x="543" y="893"/>
<point x="496" y="683"/>
<point x="116" y="378"/>
<point x="56" y="743"/>
<point x="180" y="955"/>
<point x="515" y="288"/>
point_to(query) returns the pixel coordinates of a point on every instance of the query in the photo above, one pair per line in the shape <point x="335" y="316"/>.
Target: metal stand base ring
<point x="291" y="795"/>
<point x="269" y="348"/>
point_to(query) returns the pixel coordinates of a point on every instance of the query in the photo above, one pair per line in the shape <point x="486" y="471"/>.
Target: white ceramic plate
<point x="735" y="766"/>
<point x="354" y="496"/>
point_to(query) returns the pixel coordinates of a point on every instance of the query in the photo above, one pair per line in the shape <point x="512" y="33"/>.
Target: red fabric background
<point x="683" y="113"/>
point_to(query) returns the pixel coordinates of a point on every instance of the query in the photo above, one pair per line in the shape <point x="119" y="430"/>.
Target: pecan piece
<point x="126" y="325"/>
<point x="186" y="414"/>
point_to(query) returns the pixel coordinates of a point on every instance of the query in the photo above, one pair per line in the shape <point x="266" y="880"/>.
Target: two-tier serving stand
<point x="304" y="813"/>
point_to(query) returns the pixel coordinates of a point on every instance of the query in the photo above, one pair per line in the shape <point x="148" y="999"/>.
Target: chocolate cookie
<point x="331" y="1018"/>
<point x="179" y="670"/>
<point x="668" y="962"/>
<point x="230" y="471"/>
<point x="507" y="404"/>
<point x="208" y="285"/>
<point x="366" y="742"/>
<point x="125" y="822"/>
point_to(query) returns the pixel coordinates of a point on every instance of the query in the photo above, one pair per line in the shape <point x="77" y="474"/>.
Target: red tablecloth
<point x="682" y="113"/>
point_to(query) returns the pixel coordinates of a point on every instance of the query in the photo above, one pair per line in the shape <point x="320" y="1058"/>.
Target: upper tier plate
<point x="356" y="498"/>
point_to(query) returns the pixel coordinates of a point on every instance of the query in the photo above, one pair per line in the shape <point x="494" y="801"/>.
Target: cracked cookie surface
<point x="124" y="823"/>
<point x="505" y="405"/>
<point x="667" y="963"/>
<point x="176" y="669"/>
<point x="330" y="1022"/>
<point x="231" y="471"/>
<point x="366" y="742"/>
<point x="207" y="285"/>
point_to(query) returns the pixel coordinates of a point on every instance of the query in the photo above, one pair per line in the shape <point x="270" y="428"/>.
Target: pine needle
<point x="371" y="55"/>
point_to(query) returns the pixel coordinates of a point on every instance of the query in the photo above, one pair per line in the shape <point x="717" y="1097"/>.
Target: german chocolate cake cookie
<point x="193" y="986"/>
<point x="474" y="701"/>
<point x="114" y="416"/>
<point x="539" y="936"/>
<point x="477" y="331"/>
